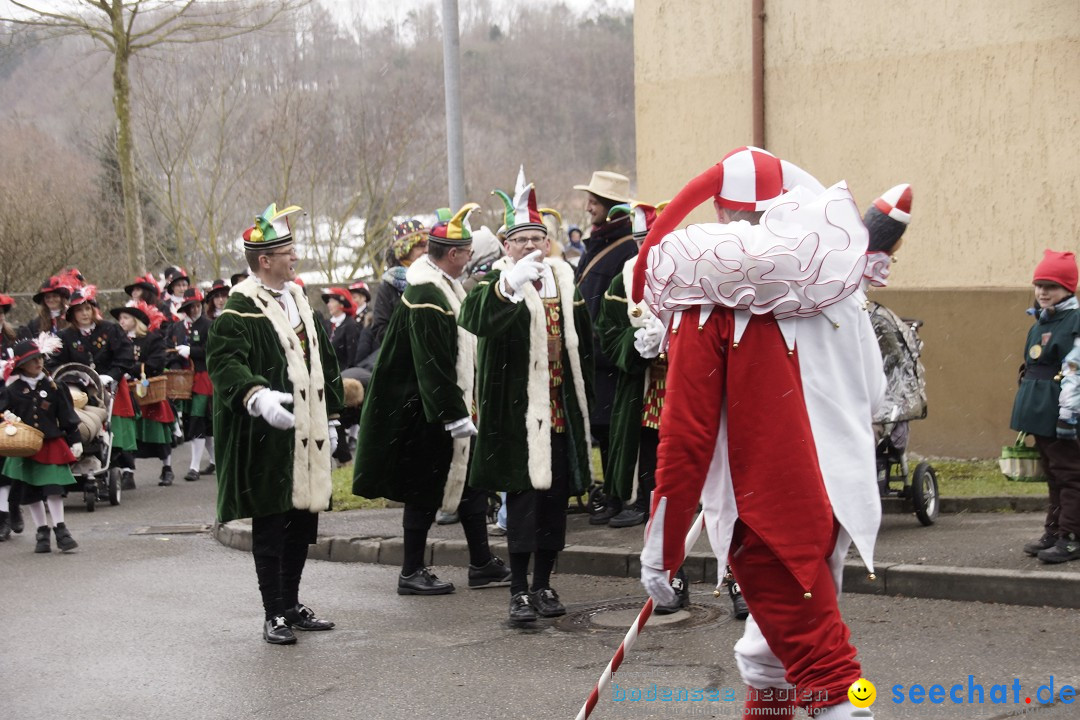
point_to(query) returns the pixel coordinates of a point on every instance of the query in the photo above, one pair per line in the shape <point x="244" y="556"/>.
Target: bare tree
<point x="125" y="28"/>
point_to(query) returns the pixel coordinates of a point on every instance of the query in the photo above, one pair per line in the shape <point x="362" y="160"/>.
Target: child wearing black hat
<point x="1042" y="410"/>
<point x="30" y="394"/>
<point x="187" y="351"/>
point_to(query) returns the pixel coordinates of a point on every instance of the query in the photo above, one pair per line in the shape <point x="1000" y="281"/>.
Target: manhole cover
<point x="171" y="530"/>
<point x="616" y="616"/>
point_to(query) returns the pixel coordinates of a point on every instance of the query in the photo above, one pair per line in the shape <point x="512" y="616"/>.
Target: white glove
<point x="658" y="585"/>
<point x="647" y="339"/>
<point x="76" y="450"/>
<point x="183" y="351"/>
<point x="462" y="428"/>
<point x="332" y="429"/>
<point x="267" y="404"/>
<point x="106" y="380"/>
<point x="525" y="270"/>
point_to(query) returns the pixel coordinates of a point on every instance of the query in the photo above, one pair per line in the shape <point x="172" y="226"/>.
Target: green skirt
<point x="155" y="433"/>
<point x="123" y="432"/>
<point x="38" y="474"/>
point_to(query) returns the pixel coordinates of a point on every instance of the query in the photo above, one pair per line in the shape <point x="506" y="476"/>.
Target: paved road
<point x="168" y="626"/>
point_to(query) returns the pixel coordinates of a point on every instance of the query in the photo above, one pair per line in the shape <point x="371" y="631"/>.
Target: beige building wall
<point x="976" y="103"/>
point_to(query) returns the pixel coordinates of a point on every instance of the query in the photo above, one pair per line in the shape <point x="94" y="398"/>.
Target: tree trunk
<point x="125" y="153"/>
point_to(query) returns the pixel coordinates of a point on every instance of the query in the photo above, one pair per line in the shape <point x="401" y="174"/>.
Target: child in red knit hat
<point x="1043" y="411"/>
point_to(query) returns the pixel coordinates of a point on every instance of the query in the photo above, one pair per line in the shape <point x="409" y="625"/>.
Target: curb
<point x="932" y="582"/>
<point x="985" y="504"/>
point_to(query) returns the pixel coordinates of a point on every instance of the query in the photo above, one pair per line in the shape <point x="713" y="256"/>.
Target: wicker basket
<point x="19" y="440"/>
<point x="155" y="391"/>
<point x="178" y="384"/>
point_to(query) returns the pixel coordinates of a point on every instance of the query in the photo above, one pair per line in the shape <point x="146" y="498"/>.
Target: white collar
<point x="336" y="320"/>
<point x="438" y="269"/>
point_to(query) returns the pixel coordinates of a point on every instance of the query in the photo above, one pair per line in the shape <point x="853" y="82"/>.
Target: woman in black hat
<point x="187" y="351"/>
<point x="215" y="299"/>
<point x="51" y="300"/>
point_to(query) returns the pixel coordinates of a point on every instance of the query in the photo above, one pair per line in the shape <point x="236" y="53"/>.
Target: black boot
<point x="64" y="541"/>
<point x="5" y="527"/>
<point x="16" y="519"/>
<point x="681" y="587"/>
<point x="166" y="476"/>
<point x="127" y="479"/>
<point x="44" y="540"/>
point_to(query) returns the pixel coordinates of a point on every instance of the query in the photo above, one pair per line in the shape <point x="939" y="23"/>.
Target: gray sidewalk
<point x="972" y="552"/>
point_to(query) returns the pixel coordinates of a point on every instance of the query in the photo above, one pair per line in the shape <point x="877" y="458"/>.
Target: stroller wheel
<point x="924" y="493"/>
<point x="90" y="497"/>
<point x="115" y="480"/>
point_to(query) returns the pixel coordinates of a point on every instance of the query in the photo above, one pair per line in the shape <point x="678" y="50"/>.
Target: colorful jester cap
<point x="644" y="217"/>
<point x="521" y="213"/>
<point x="552" y="220"/>
<point x="456" y="230"/>
<point x="271" y="229"/>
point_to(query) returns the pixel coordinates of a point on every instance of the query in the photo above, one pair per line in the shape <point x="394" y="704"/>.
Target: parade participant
<point x="266" y="350"/>
<point x="341" y="326"/>
<point x="631" y="335"/>
<point x="146" y="288"/>
<point x="30" y="394"/>
<point x="410" y="242"/>
<point x="176" y="284"/>
<point x="756" y="345"/>
<point x="361" y="297"/>
<point x="52" y="301"/>
<point x="1041" y="408"/>
<point x="420" y="403"/>
<point x="186" y="348"/>
<point x="8" y="338"/>
<point x="215" y="299"/>
<point x="609" y="245"/>
<point x="237" y="277"/>
<point x="142" y="323"/>
<point x="534" y="378"/>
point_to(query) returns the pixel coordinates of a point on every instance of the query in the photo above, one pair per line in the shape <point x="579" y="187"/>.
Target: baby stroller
<point x="93" y="404"/>
<point x="905" y="400"/>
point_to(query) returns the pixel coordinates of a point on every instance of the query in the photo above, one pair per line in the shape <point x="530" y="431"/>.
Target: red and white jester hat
<point x="748" y="178"/>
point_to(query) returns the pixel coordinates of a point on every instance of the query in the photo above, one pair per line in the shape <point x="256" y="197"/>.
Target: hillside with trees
<point x="344" y="120"/>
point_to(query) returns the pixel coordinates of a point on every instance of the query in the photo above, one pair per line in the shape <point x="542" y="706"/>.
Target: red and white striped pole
<point x="632" y="634"/>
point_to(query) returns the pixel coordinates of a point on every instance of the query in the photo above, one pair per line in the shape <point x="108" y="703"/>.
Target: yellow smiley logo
<point x="862" y="693"/>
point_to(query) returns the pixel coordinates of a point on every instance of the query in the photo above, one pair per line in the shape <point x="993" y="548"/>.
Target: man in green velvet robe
<point x="417" y="426"/>
<point x="266" y="351"/>
<point x="534" y="384"/>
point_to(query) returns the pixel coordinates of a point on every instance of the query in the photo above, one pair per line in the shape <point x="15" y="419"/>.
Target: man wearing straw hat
<point x="609" y="245"/>
<point x="277" y="394"/>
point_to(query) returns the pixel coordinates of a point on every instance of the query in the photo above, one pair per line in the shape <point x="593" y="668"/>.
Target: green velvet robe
<point x="513" y="384"/>
<point x="616" y="335"/>
<point x="423" y="379"/>
<point x="261" y="470"/>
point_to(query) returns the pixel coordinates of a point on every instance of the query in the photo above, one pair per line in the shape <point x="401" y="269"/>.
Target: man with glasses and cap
<point x="534" y="382"/>
<point x="417" y="424"/>
<point x="278" y="393"/>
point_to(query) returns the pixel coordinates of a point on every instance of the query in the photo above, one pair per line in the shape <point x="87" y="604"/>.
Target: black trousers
<point x="646" y="480"/>
<point x="536" y="519"/>
<point x="279" y="544"/>
<point x="1061" y="461"/>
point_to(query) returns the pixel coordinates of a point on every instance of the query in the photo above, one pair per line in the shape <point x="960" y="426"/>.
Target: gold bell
<point x="871" y="577"/>
<point x="790" y="353"/>
<point x="734" y="345"/>
<point x="807" y="596"/>
<point x="716" y="593"/>
<point x="636" y="312"/>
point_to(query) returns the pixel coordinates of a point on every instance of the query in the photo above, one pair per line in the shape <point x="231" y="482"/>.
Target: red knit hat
<point x="1057" y="267"/>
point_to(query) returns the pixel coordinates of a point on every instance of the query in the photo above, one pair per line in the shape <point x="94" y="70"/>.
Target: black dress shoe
<point x="64" y="541"/>
<point x="493" y="573"/>
<point x="738" y="604"/>
<point x="546" y="602"/>
<point x="629" y="518"/>
<point x="192" y="475"/>
<point x="276" y="631"/>
<point x="423" y="582"/>
<point x="302" y="617"/>
<point x="210" y="469"/>
<point x="5" y="527"/>
<point x="682" y="595"/>
<point x="166" y="476"/>
<point x="521" y="609"/>
<point x="127" y="480"/>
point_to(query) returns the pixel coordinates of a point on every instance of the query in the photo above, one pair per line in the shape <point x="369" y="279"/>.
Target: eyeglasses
<point x="519" y="240"/>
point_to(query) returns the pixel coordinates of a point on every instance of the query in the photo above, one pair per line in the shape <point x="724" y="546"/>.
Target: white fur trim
<point x="312" y="486"/>
<point x="423" y="272"/>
